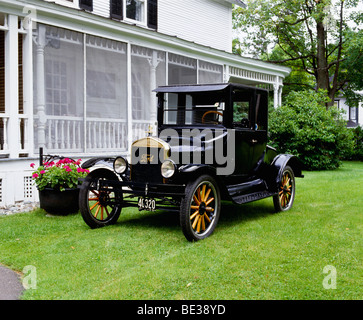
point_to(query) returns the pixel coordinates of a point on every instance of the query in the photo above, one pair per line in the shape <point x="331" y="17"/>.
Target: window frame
<point x="144" y="22"/>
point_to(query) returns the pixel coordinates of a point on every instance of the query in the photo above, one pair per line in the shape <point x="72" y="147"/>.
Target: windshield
<point x="193" y="108"/>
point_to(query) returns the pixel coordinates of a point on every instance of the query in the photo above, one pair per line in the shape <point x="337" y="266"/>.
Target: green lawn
<point x="253" y="253"/>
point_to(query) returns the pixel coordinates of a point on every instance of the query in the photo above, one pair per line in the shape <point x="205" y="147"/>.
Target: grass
<point x="253" y="253"/>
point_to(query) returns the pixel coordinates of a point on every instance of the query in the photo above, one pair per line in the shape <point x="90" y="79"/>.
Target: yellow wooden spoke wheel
<point x="286" y="191"/>
<point x="99" y="207"/>
<point x="200" y="208"/>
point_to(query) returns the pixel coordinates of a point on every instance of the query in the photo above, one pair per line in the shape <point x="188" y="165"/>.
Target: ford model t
<point x="211" y="145"/>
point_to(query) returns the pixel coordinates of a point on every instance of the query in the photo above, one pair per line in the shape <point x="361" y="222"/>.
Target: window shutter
<point x="116" y="9"/>
<point x="152" y="14"/>
<point x="86" y="4"/>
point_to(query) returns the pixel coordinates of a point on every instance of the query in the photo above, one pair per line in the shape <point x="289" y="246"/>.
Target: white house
<point x="353" y="115"/>
<point x="76" y="76"/>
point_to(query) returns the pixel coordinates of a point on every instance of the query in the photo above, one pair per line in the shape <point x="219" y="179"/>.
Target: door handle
<point x="254" y="141"/>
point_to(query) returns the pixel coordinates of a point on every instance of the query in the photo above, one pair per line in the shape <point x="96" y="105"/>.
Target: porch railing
<point x="22" y="146"/>
<point x="73" y="134"/>
<point x="4" y="146"/>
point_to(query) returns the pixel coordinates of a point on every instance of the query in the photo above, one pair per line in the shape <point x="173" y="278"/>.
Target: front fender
<point x="193" y="168"/>
<point x="106" y="162"/>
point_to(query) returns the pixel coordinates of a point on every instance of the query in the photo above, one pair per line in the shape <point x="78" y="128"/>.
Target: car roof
<point x="201" y="87"/>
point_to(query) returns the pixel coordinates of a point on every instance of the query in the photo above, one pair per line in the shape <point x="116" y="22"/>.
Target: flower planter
<point x="59" y="202"/>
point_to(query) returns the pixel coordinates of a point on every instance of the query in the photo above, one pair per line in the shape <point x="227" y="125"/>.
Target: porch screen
<point x="58" y="89"/>
<point x="148" y="72"/>
<point x="210" y="72"/>
<point x="182" y="70"/>
<point x="106" y="86"/>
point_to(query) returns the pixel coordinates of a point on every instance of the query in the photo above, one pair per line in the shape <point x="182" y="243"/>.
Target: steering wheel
<point x="211" y="111"/>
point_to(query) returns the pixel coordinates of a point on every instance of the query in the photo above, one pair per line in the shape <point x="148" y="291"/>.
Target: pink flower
<point x="42" y="171"/>
<point x="35" y="175"/>
<point x="79" y="170"/>
<point x="32" y="165"/>
<point x="68" y="169"/>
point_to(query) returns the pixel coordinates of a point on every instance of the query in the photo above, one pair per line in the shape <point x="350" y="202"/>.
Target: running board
<point x="252" y="197"/>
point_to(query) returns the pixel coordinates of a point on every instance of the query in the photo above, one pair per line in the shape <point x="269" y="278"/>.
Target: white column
<point x="153" y="62"/>
<point x="41" y="43"/>
<point x="276" y="95"/>
<point x="360" y="114"/>
<point x="129" y="100"/>
<point x="12" y="85"/>
<point x="28" y="88"/>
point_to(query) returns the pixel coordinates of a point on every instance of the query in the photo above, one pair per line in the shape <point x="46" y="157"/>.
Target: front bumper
<point x="167" y="196"/>
<point x="144" y="189"/>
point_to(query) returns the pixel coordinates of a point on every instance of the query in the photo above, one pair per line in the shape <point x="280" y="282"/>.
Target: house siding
<point x="204" y="22"/>
<point x="101" y="8"/>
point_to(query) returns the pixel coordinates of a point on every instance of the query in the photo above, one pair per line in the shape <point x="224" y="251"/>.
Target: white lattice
<point x="28" y="187"/>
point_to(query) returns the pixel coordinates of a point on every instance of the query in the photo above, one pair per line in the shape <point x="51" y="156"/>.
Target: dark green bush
<point x="304" y="127"/>
<point x="357" y="152"/>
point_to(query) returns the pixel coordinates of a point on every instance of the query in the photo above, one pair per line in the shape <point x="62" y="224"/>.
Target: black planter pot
<point x="59" y="202"/>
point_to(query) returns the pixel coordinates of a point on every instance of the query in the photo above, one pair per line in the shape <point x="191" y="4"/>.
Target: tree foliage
<point x="313" y="37"/>
<point x="302" y="126"/>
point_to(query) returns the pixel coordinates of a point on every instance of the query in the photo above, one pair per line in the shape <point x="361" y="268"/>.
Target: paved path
<point x="10" y="284"/>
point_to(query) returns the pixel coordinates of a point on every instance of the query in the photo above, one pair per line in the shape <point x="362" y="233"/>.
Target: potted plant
<point x="57" y="184"/>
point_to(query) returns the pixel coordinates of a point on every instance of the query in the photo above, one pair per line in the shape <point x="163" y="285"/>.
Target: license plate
<point x="146" y="204"/>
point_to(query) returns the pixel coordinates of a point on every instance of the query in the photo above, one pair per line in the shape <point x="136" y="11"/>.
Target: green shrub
<point x="304" y="127"/>
<point x="357" y="152"/>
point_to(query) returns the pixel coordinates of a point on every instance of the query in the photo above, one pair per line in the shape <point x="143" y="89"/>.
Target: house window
<point x="69" y="3"/>
<point x="136" y="10"/>
<point x="353" y="114"/>
<point x="142" y="12"/>
<point x="86" y="4"/>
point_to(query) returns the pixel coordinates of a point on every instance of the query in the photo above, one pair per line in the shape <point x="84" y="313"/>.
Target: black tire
<point x="284" y="200"/>
<point x="200" y="208"/>
<point x="99" y="208"/>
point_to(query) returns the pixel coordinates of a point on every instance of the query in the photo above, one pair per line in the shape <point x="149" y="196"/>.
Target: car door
<point x="258" y="137"/>
<point x="242" y="101"/>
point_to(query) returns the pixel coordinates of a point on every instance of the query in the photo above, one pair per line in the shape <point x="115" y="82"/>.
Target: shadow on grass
<point x="231" y="214"/>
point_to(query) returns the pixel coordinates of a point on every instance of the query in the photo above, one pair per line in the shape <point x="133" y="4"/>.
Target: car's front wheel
<point x="286" y="191"/>
<point x="200" y="208"/>
<point x="99" y="207"/>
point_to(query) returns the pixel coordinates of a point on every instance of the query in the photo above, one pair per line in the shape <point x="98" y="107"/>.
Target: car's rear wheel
<point x="200" y="208"/>
<point x="286" y="191"/>
<point x="99" y="207"/>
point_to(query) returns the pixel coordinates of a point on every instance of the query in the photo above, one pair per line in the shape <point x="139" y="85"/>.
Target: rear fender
<point x="283" y="160"/>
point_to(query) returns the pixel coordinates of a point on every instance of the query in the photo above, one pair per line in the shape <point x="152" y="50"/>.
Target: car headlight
<point x="120" y="165"/>
<point x="168" y="169"/>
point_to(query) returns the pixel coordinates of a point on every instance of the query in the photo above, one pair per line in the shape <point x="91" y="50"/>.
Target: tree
<point x="311" y="36"/>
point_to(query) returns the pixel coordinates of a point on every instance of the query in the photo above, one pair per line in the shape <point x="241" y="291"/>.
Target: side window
<point x="241" y="109"/>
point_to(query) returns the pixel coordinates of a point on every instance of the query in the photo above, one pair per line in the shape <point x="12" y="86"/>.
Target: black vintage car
<point x="211" y="146"/>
